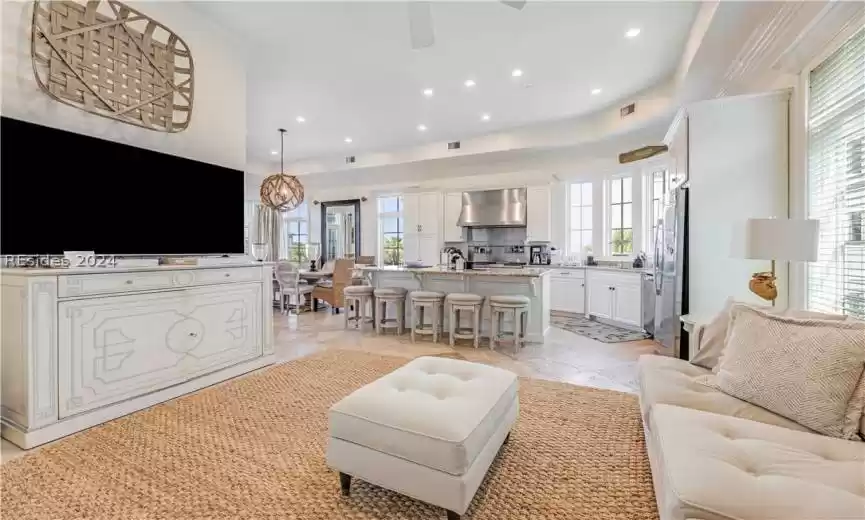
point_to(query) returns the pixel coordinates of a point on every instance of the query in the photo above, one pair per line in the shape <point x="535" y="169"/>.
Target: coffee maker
<point x="539" y="255"/>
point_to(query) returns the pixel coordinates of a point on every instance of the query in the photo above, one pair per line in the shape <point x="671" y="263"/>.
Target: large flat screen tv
<point x="62" y="191"/>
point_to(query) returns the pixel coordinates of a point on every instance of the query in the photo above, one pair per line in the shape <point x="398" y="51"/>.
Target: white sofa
<point x="716" y="457"/>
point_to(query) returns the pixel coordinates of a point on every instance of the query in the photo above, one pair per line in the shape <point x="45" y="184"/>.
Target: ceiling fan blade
<point x="420" y="25"/>
<point x="518" y="4"/>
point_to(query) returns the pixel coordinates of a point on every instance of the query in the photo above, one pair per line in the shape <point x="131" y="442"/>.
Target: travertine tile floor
<point x="564" y="356"/>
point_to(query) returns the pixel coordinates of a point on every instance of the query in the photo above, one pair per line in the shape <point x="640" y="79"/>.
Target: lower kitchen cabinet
<point x="568" y="291"/>
<point x="615" y="296"/>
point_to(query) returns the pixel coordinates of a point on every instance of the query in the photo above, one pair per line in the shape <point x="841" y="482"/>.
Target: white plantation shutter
<point x="836" y="179"/>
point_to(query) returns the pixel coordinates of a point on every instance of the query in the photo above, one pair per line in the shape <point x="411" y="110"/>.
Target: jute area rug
<point x="255" y="448"/>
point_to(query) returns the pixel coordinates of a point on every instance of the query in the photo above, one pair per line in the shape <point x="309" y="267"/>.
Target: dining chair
<point x="290" y="286"/>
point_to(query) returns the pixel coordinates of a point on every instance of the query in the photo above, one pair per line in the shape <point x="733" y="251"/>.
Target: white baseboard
<point x="30" y="439"/>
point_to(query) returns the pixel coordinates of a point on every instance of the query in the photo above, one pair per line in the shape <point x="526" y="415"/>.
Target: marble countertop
<point x="526" y="272"/>
<point x="606" y="268"/>
<point x="48" y="271"/>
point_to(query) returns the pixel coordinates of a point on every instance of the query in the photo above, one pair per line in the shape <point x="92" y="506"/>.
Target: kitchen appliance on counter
<point x="452" y="258"/>
<point x="540" y="254"/>
<point x="671" y="274"/>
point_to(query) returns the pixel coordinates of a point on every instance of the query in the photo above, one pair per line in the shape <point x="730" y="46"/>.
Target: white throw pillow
<point x="714" y="334"/>
<point x="806" y="370"/>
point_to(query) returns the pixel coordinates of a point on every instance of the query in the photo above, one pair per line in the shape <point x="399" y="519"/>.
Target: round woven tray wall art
<point x="109" y="59"/>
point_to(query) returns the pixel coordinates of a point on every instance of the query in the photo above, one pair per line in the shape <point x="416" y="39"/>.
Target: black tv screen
<point x="62" y="191"/>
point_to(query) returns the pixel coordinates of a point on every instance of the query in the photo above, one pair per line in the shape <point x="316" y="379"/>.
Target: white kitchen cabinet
<point x="600" y="296"/>
<point x="627" y="302"/>
<point x="422" y="238"/>
<point x="615" y="296"/>
<point x="539" y="222"/>
<point x="568" y="291"/>
<point x="453" y="206"/>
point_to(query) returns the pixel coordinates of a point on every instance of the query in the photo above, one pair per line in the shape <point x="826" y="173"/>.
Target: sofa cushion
<point x="666" y="380"/>
<point x="710" y="466"/>
<point x="433" y="411"/>
<point x="807" y="370"/>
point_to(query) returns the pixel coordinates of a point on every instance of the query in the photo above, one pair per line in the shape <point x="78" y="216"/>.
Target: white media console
<point x="83" y="346"/>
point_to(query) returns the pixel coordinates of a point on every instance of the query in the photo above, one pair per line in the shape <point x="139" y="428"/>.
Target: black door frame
<point x="357" y="227"/>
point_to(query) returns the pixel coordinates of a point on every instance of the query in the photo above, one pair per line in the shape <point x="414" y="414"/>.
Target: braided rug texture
<point x="255" y="448"/>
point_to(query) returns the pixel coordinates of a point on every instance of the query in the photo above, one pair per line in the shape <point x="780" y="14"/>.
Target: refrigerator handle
<point x="659" y="255"/>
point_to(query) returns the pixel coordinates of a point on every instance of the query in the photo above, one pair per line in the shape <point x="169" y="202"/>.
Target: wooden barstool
<point x="420" y="302"/>
<point x="358" y="297"/>
<point x="464" y="302"/>
<point x="501" y="306"/>
<point x="396" y="297"/>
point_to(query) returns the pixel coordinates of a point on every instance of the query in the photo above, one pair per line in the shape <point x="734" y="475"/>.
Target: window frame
<point x="399" y="214"/>
<point x="571" y="206"/>
<point x="608" y="210"/>
<point x="801" y="192"/>
<point x="650" y="222"/>
<point x="296" y="252"/>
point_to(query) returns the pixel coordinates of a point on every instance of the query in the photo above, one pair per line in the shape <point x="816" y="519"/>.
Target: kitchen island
<point x="531" y="282"/>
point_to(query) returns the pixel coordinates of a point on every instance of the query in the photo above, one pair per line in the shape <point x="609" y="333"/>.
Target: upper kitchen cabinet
<point x="538" y="219"/>
<point x="451" y="231"/>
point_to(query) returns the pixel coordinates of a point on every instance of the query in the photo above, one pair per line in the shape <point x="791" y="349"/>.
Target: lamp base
<point x="763" y="285"/>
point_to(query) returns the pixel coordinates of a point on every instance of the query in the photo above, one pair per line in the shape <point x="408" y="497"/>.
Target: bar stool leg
<point x="517" y="323"/>
<point x="414" y="315"/>
<point x="452" y="324"/>
<point x="477" y="326"/>
<point x="400" y="317"/>
<point x="435" y="322"/>
<point x="382" y="306"/>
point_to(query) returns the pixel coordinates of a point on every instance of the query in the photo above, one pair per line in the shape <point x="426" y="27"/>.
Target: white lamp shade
<point x="781" y="239"/>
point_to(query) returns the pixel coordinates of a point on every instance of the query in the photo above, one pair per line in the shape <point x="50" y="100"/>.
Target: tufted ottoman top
<point x="433" y="411"/>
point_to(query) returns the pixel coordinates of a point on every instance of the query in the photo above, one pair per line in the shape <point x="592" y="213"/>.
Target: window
<point x="621" y="214"/>
<point x="657" y="189"/>
<point x="296" y="228"/>
<point x="581" y="218"/>
<point x="391" y="230"/>
<point x="836" y="179"/>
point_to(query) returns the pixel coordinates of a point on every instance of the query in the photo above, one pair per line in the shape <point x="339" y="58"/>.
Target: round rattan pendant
<point x="281" y="192"/>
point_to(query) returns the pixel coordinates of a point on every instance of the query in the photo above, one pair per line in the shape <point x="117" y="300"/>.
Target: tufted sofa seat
<point x="714" y="467"/>
<point x="715" y="457"/>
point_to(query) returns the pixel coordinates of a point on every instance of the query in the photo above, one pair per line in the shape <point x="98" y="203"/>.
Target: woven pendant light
<point x="280" y="191"/>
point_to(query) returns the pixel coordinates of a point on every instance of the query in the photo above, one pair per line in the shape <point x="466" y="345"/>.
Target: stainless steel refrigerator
<point x="671" y="253"/>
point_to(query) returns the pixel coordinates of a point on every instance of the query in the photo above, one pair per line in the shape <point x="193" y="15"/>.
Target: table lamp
<point x="778" y="239"/>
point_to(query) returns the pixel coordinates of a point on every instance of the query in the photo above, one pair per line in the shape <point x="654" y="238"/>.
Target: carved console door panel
<point x="114" y="348"/>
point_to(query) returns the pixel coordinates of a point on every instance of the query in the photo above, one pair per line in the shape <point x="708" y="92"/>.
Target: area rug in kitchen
<point x="594" y="329"/>
<point x="255" y="448"/>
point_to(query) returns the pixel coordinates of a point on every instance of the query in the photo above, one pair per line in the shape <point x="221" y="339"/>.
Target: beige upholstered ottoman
<point x="428" y="430"/>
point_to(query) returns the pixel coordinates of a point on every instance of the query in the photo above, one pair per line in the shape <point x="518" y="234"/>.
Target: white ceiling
<point x="349" y="69"/>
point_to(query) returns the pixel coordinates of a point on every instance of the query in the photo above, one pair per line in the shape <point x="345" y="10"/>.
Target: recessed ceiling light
<point x="274" y="152"/>
<point x="300" y="119"/>
<point x="428" y="92"/>
<point x="516" y="73"/>
<point x="421" y="128"/>
<point x="469" y="83"/>
<point x="485" y="117"/>
<point x="632" y="33"/>
<point x="596" y="91"/>
<point x="348" y="139"/>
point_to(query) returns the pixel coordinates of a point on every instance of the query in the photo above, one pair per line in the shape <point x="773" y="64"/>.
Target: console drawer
<point x="72" y="285"/>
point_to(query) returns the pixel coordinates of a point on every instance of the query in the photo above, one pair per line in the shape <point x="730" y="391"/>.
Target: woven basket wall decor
<point x="108" y="59"/>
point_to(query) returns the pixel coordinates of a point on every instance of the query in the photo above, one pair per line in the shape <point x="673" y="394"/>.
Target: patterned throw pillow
<point x="807" y="370"/>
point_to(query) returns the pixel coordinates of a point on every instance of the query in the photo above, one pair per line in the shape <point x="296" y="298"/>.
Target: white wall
<point x="217" y="130"/>
<point x="738" y="169"/>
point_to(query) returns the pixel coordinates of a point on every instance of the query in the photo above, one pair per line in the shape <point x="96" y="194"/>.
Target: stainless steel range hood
<point x="494" y="208"/>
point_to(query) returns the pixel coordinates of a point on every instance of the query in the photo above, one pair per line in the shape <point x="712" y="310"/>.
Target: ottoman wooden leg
<point x="453" y="516"/>
<point x="345" y="483"/>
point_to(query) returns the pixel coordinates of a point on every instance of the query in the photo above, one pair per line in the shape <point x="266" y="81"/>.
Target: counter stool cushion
<point x="358" y="290"/>
<point x="390" y="291"/>
<point x="426" y="295"/>
<point x="467" y="298"/>
<point x="510" y="301"/>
